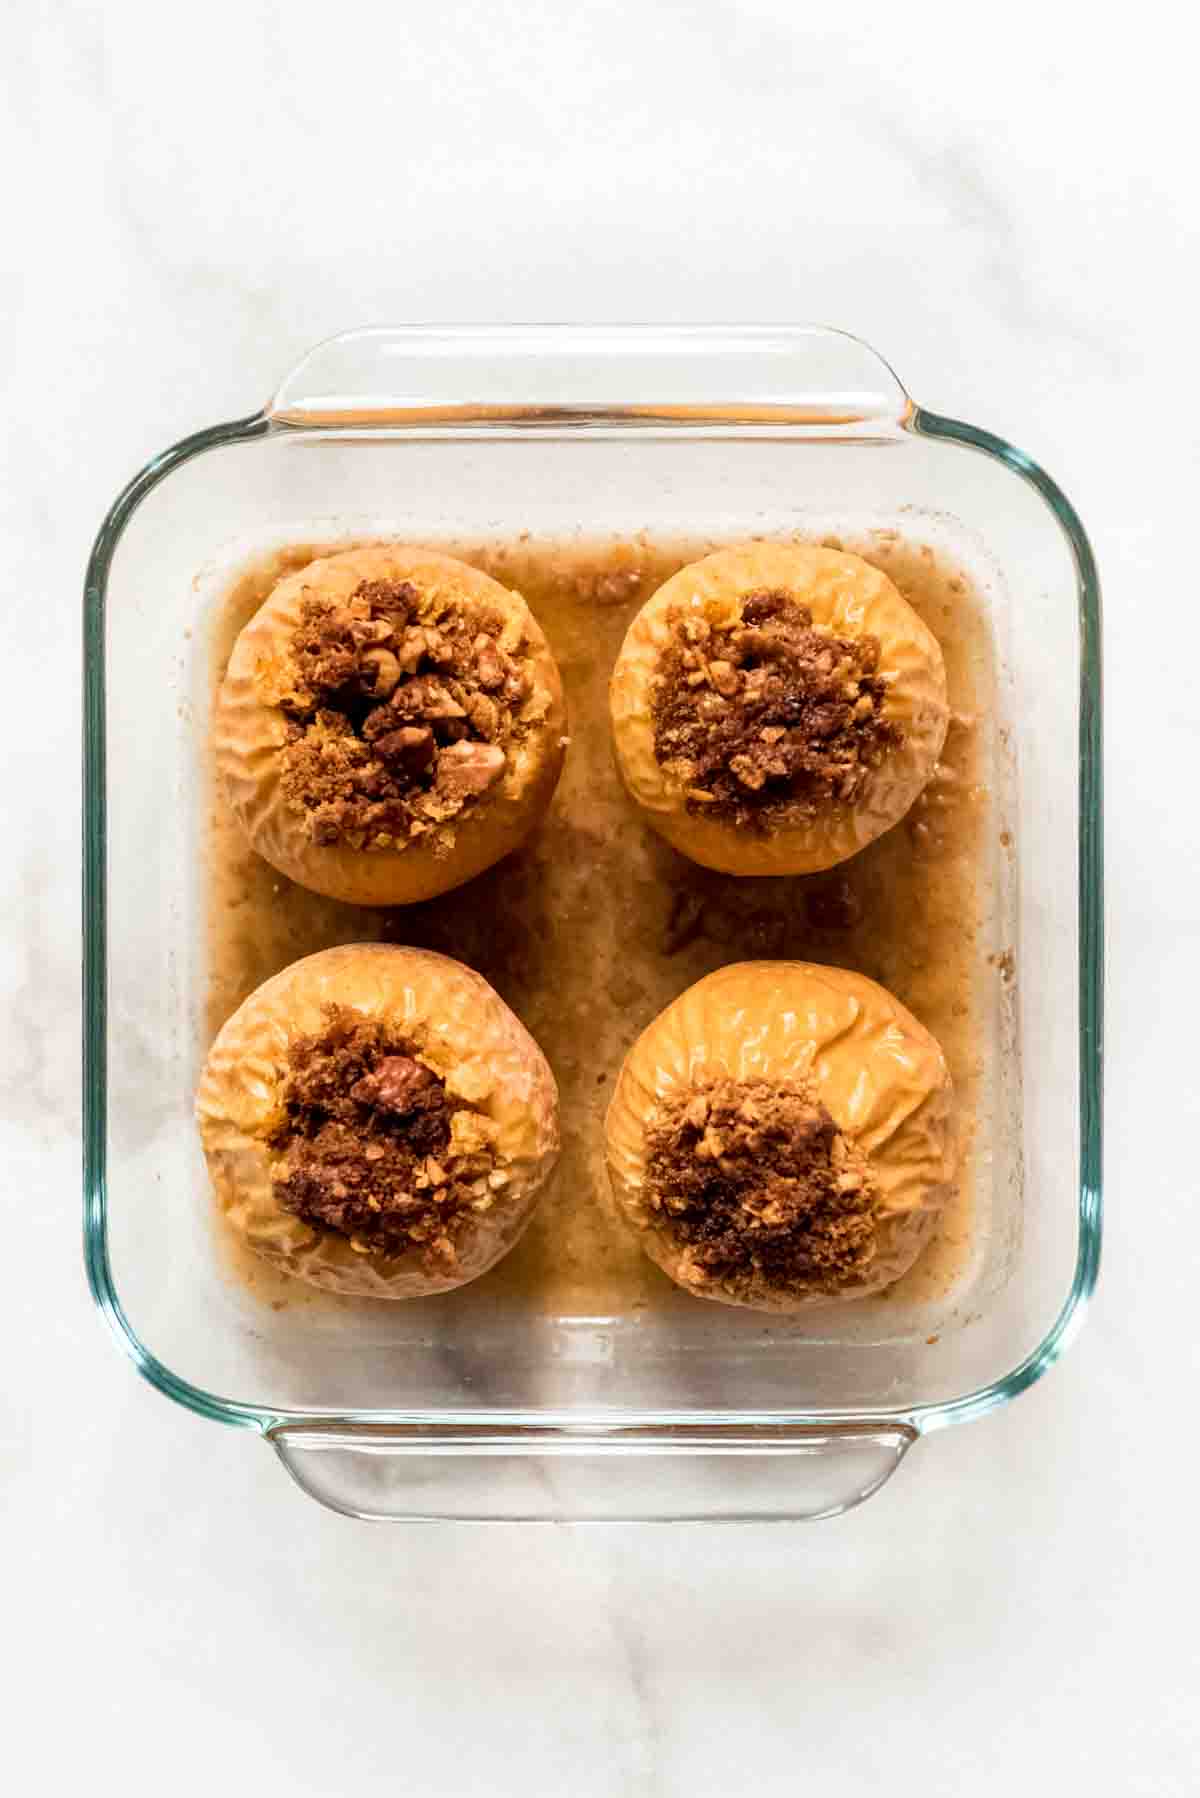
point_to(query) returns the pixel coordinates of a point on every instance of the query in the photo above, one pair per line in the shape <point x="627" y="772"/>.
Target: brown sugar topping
<point x="369" y="1146"/>
<point x="755" y="1181"/>
<point x="396" y="726"/>
<point x="769" y="719"/>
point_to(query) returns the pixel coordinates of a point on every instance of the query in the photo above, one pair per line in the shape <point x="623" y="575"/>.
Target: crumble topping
<point x="768" y="719"/>
<point x="754" y="1180"/>
<point x="398" y="721"/>
<point x="373" y="1146"/>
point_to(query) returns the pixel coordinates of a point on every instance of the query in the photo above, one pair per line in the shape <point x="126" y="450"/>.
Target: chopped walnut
<point x="469" y="768"/>
<point x="387" y="672"/>
<point x="412" y="746"/>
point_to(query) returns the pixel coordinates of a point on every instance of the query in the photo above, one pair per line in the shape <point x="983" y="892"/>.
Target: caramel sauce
<point x="595" y="925"/>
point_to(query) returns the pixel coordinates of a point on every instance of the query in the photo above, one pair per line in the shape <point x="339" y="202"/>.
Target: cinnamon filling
<point x="401" y="716"/>
<point x="768" y="720"/>
<point x="755" y="1181"/>
<point x="372" y="1146"/>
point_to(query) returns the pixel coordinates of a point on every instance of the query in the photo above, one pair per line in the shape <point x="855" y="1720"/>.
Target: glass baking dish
<point x="490" y="1412"/>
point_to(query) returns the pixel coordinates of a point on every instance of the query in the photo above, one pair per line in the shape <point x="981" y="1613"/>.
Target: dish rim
<point x="878" y="416"/>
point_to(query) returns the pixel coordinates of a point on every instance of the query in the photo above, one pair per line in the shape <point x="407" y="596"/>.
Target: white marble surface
<point x="1006" y="207"/>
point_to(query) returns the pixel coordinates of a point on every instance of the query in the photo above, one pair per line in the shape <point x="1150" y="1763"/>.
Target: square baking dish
<point x="491" y="1410"/>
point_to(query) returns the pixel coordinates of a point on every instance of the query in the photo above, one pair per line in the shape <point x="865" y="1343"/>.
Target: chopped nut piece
<point x="411" y="649"/>
<point x="489" y="667"/>
<point x="484" y="715"/>
<point x="469" y="767"/>
<point x="750" y="774"/>
<point x="384" y="672"/>
<point x="437" y="648"/>
<point x="711" y="1144"/>
<point x="430" y="699"/>
<point x="412" y="746"/>
<point x="470" y="1133"/>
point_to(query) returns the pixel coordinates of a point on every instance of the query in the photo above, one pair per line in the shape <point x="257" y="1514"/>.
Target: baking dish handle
<point x="694" y="1472"/>
<point x="573" y="378"/>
